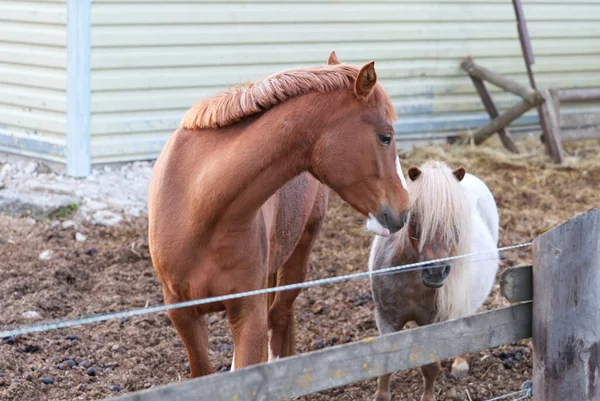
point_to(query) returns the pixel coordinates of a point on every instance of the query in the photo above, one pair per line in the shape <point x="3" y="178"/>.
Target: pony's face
<point x="356" y="155"/>
<point x="433" y="244"/>
<point x="433" y="274"/>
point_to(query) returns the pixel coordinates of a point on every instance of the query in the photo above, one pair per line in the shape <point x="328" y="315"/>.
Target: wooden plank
<point x="551" y="111"/>
<point x="579" y="134"/>
<point x="486" y="99"/>
<point x="333" y="367"/>
<point x="578" y="95"/>
<point x="501" y="81"/>
<point x="578" y="120"/>
<point x="516" y="284"/>
<point x="566" y="316"/>
<point x="483" y="133"/>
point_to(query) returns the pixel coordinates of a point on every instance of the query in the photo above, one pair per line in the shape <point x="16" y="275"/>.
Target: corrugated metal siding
<point x="33" y="78"/>
<point x="151" y="60"/>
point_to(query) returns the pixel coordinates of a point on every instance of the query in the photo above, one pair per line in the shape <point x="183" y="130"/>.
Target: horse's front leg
<point x="385" y="326"/>
<point x="383" y="388"/>
<point x="248" y="320"/>
<point x="430" y="373"/>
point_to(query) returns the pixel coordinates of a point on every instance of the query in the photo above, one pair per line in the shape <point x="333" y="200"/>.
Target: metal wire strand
<point x="514" y="394"/>
<point x="64" y="323"/>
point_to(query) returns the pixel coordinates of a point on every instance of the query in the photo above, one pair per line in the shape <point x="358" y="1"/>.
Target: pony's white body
<point x="485" y="227"/>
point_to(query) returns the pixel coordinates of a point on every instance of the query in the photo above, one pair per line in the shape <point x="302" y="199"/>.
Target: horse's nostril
<point x="446" y="270"/>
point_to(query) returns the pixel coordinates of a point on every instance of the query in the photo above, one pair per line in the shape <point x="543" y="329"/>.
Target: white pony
<point x="451" y="213"/>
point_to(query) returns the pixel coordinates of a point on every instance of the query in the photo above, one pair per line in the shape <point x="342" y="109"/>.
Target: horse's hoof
<point x="427" y="397"/>
<point x="382" y="396"/>
<point x="460" y="368"/>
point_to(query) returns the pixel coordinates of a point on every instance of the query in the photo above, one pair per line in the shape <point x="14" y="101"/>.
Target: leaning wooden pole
<point x="482" y="133"/>
<point x="566" y="311"/>
<point x="490" y="107"/>
<point x="509" y="85"/>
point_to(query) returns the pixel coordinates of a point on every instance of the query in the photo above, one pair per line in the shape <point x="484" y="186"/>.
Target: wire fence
<point x="525" y="392"/>
<point x="84" y="320"/>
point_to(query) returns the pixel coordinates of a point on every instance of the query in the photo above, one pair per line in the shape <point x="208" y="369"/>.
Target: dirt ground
<point x="112" y="271"/>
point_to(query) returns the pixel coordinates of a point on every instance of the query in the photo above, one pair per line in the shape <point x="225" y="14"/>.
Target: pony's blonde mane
<point x="439" y="203"/>
<point x="228" y="107"/>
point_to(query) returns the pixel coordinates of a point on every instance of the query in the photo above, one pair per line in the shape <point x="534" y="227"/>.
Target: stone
<point x="80" y="237"/>
<point x="94" y="205"/>
<point x="43" y="169"/>
<point x="9" y="340"/>
<point x="19" y="203"/>
<point x="47" y="380"/>
<point x="6" y="168"/>
<point x="106" y="218"/>
<point x="68" y="224"/>
<point x="133" y="212"/>
<point x="30" y="168"/>
<point x="47" y="254"/>
<point x="50" y="187"/>
<point x="31" y="315"/>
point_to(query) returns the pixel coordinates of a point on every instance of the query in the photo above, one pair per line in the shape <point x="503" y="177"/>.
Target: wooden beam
<point x="486" y="99"/>
<point x="509" y="85"/>
<point x="566" y="312"/>
<point x="516" y="284"/>
<point x="336" y="366"/>
<point x="551" y="111"/>
<point x="579" y="134"/>
<point x="578" y="120"/>
<point x="483" y="133"/>
<point x="578" y="95"/>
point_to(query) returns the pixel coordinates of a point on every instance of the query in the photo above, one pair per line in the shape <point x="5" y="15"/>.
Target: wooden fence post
<point x="566" y="311"/>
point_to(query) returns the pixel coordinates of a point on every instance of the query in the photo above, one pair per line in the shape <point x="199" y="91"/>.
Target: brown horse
<point x="238" y="196"/>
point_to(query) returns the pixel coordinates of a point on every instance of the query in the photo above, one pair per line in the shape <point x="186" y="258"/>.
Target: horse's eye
<point x="386" y="138"/>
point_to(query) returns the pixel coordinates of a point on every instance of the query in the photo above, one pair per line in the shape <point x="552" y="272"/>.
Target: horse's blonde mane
<point x="439" y="203"/>
<point x="228" y="107"/>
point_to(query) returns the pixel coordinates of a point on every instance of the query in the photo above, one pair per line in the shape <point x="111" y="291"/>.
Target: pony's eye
<point x="386" y="138"/>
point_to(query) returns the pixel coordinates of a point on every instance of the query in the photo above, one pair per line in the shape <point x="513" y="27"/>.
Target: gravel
<point x="106" y="197"/>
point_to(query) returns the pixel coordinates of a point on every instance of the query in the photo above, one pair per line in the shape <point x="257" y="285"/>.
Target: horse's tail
<point x="289" y="344"/>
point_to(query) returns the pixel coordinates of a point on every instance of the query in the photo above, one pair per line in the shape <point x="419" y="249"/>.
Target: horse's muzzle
<point x="392" y="221"/>
<point x="434" y="277"/>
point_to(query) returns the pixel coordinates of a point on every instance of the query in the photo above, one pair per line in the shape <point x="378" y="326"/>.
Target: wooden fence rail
<point x="303" y="374"/>
<point x="564" y="318"/>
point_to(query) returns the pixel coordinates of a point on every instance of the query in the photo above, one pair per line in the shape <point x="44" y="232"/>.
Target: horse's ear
<point x="366" y="80"/>
<point x="333" y="58"/>
<point x="459" y="173"/>
<point x="414" y="173"/>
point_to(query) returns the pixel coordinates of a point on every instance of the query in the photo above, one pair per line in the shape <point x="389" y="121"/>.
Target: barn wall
<point x="153" y="59"/>
<point x="33" y="78"/>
